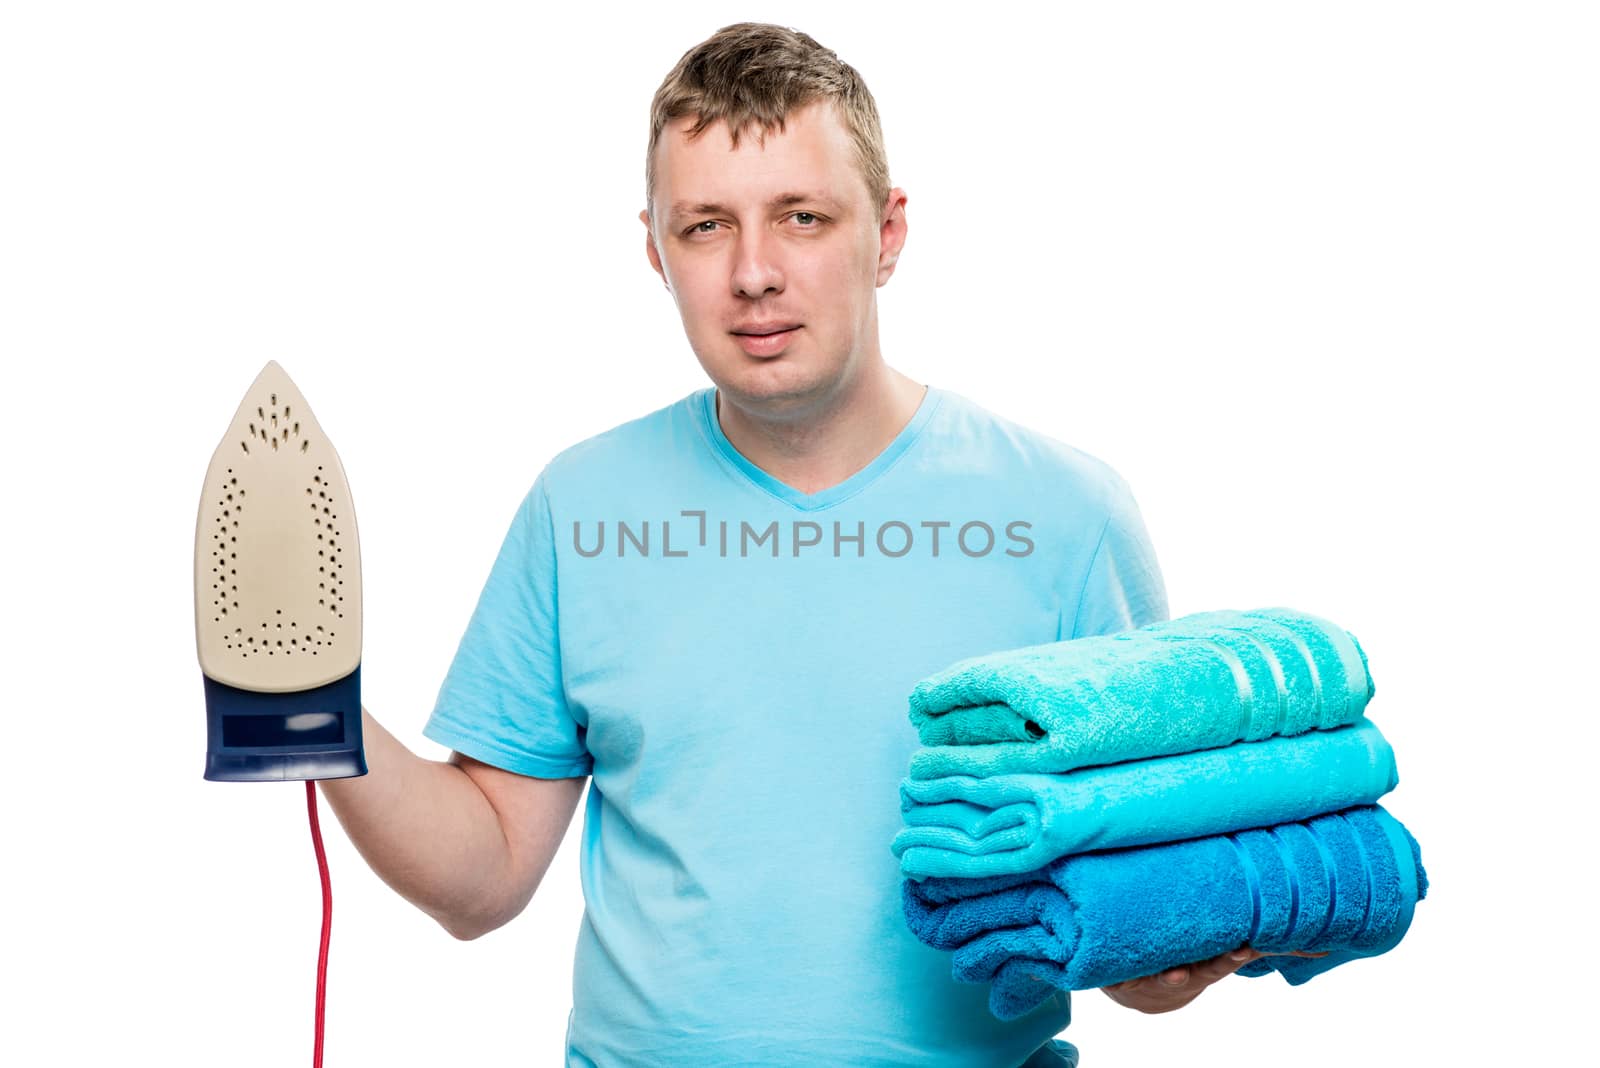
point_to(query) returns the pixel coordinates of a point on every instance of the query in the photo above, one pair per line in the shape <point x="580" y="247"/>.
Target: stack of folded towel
<point x="1090" y="811"/>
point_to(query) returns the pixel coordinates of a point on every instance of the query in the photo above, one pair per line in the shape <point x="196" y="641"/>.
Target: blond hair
<point x="756" y="73"/>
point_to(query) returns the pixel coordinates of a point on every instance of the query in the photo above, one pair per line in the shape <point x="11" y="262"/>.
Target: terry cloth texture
<point x="1344" y="882"/>
<point x="965" y="826"/>
<point x="1201" y="681"/>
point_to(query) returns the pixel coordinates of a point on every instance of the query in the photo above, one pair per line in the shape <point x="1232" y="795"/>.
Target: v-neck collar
<point x="712" y="428"/>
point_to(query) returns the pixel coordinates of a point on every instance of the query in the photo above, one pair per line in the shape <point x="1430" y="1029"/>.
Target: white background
<point x="1319" y="280"/>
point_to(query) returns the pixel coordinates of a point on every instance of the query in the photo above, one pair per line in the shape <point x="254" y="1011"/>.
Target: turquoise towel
<point x="1345" y="882"/>
<point x="971" y="827"/>
<point x="1201" y="681"/>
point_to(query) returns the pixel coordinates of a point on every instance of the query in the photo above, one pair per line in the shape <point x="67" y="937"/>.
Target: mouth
<point x="767" y="340"/>
<point x="766" y="331"/>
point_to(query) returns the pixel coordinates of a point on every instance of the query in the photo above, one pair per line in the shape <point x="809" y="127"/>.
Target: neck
<point x="818" y="447"/>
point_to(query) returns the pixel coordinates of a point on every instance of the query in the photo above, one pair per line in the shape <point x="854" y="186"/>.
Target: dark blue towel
<point x="1345" y="882"/>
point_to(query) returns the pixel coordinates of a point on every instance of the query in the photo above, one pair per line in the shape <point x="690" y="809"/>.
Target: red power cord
<point x="327" y="917"/>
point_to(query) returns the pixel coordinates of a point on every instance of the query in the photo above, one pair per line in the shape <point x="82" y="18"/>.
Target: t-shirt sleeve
<point x="502" y="700"/>
<point x="1124" y="588"/>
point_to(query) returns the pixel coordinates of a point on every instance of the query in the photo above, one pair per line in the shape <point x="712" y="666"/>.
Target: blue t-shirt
<point x="730" y="659"/>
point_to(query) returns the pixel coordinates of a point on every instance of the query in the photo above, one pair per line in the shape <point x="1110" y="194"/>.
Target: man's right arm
<point x="465" y="842"/>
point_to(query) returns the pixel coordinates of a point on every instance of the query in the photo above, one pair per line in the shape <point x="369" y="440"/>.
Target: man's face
<point x="773" y="235"/>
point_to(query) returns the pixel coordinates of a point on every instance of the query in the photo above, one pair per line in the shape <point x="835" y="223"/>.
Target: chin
<point x="773" y="380"/>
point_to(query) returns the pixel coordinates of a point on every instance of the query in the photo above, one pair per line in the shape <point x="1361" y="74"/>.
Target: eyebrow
<point x="782" y="200"/>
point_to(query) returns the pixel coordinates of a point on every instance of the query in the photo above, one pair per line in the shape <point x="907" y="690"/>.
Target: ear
<point x="892" y="234"/>
<point x="650" y="250"/>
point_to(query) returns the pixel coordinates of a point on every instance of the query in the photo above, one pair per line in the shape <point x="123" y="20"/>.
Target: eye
<point x="808" y="215"/>
<point x="695" y="229"/>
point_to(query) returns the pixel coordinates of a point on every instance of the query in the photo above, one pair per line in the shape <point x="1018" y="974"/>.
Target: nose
<point x="756" y="271"/>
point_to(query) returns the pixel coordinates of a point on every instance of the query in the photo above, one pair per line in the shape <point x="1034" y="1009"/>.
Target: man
<point x="717" y="611"/>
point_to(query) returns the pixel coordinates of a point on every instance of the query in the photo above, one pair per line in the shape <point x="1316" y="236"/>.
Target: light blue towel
<point x="970" y="827"/>
<point x="1201" y="681"/>
<point x="1344" y="882"/>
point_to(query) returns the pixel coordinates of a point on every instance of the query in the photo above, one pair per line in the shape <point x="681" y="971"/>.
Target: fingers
<point x="1255" y="954"/>
<point x="1224" y="964"/>
<point x="1174" y="977"/>
<point x="1245" y="955"/>
<point x="1176" y="987"/>
<point x="1201" y="973"/>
